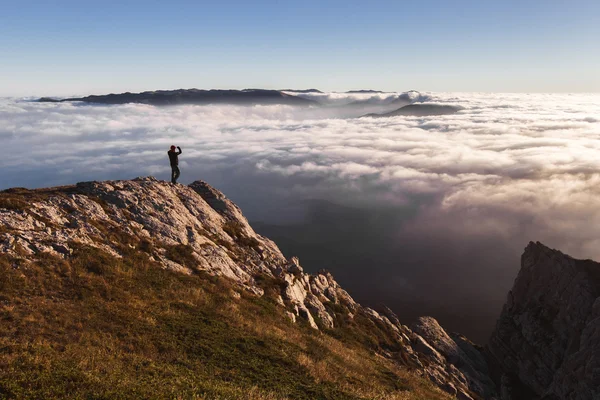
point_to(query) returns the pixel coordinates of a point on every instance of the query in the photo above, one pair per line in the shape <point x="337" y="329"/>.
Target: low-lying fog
<point x="428" y="215"/>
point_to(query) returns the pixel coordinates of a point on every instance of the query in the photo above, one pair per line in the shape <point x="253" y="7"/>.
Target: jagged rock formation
<point x="195" y="227"/>
<point x="193" y="96"/>
<point x="547" y="341"/>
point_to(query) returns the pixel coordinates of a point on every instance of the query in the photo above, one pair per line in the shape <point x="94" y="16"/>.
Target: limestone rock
<point x="422" y="346"/>
<point x="294" y="266"/>
<point x="463" y="361"/>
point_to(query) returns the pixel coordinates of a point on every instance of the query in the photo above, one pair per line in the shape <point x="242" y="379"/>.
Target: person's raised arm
<point x="179" y="148"/>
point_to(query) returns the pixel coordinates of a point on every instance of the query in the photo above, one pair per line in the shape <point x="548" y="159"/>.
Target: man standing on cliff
<point x="174" y="159"/>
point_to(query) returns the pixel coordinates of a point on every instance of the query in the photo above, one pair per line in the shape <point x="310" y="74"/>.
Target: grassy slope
<point x="95" y="326"/>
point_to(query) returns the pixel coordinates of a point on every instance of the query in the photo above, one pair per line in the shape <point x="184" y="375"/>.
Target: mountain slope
<point x="145" y="289"/>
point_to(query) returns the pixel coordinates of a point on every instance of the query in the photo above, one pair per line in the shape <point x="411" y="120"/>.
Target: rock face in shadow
<point x="194" y="96"/>
<point x="547" y="341"/>
<point x="419" y="110"/>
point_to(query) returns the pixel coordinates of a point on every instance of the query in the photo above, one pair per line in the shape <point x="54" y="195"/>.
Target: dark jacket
<point x="173" y="156"/>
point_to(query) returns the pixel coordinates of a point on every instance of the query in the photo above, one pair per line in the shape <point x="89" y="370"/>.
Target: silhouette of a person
<point x="174" y="159"/>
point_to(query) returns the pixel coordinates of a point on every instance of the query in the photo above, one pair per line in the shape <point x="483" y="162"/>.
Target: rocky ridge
<point x="196" y="228"/>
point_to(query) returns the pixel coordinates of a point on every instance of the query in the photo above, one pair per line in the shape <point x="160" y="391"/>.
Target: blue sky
<point x="77" y="47"/>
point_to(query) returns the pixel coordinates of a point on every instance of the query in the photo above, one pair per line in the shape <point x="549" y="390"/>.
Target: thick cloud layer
<point x="426" y="214"/>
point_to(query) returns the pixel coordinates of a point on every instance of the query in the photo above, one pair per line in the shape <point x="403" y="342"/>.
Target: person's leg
<point x="173" y="171"/>
<point x="177" y="173"/>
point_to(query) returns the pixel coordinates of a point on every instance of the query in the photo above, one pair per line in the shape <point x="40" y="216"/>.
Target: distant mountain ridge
<point x="302" y="90"/>
<point x="378" y="101"/>
<point x="365" y="91"/>
<point x="419" y="110"/>
<point x="193" y="96"/>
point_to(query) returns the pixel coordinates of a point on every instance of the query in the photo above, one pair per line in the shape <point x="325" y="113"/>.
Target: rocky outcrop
<point x="459" y="355"/>
<point x="197" y="228"/>
<point x="546" y="344"/>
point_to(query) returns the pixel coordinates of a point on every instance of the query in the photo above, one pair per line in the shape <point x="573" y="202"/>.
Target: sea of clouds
<point x="426" y="214"/>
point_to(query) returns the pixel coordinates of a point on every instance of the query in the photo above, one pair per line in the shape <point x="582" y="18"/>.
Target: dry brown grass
<point x="356" y="369"/>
